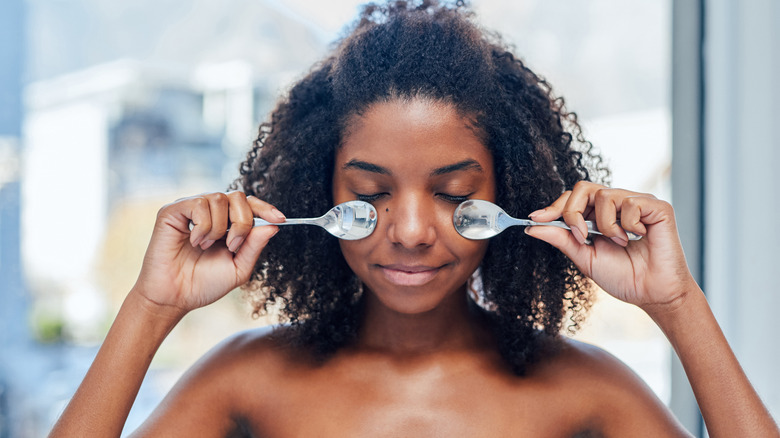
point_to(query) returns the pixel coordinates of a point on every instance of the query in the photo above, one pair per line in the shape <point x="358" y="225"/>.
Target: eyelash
<point x="448" y="198"/>
<point x="453" y="199"/>
<point x="369" y="198"/>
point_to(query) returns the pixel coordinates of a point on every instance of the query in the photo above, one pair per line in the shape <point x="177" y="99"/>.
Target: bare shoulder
<point x="259" y="358"/>
<point x="265" y="347"/>
<point x="215" y="392"/>
<point x="624" y="403"/>
<point x="590" y="362"/>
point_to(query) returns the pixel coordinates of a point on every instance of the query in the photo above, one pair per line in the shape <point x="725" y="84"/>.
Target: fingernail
<point x="206" y="244"/>
<point x="620" y="241"/>
<point x="578" y="235"/>
<point x="536" y="213"/>
<point x="278" y="214"/>
<point x="235" y="243"/>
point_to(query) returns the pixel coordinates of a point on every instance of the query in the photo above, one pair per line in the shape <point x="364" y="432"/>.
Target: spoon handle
<point x="592" y="229"/>
<point x="295" y="221"/>
<point x="260" y="222"/>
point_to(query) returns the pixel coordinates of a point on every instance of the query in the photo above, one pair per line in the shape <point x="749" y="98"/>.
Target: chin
<point x="413" y="301"/>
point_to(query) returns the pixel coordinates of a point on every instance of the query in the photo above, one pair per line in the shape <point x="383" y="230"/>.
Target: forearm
<point x="103" y="400"/>
<point x="729" y="404"/>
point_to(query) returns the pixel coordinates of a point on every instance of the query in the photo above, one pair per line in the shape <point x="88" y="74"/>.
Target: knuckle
<point x="236" y="195"/>
<point x="219" y="198"/>
<point x="631" y="202"/>
<point x="583" y="185"/>
<point x="602" y="196"/>
<point x="163" y="210"/>
<point x="570" y="215"/>
<point x="637" y="201"/>
<point x="666" y="206"/>
<point x="199" y="202"/>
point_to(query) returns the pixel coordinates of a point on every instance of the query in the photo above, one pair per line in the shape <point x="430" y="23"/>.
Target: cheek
<point x="471" y="251"/>
<point x="466" y="249"/>
<point x="355" y="251"/>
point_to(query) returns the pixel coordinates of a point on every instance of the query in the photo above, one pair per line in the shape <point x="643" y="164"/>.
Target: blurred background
<point x="108" y="110"/>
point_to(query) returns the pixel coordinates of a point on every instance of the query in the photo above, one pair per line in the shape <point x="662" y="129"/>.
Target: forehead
<point x="416" y="133"/>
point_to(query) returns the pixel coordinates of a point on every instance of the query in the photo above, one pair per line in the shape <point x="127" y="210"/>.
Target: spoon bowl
<point x="477" y="219"/>
<point x="352" y="220"/>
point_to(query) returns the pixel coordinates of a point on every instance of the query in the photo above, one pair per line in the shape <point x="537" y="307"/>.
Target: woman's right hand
<point x="184" y="270"/>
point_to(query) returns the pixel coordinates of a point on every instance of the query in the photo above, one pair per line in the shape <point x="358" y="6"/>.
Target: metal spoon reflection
<point x="476" y="219"/>
<point x="350" y="220"/>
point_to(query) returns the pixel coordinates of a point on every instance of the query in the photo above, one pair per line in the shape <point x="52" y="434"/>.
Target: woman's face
<point x="415" y="161"/>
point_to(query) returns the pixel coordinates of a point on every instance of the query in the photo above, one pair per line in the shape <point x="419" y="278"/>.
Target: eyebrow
<point x="368" y="167"/>
<point x="462" y="165"/>
<point x="373" y="168"/>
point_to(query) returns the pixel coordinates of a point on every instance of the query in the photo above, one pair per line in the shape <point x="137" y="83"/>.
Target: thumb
<point x="562" y="239"/>
<point x="250" y="250"/>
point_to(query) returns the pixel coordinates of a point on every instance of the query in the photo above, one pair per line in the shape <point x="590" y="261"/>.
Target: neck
<point x="451" y="325"/>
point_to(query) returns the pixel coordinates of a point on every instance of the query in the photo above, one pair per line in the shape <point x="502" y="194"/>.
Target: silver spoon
<point x="476" y="219"/>
<point x="350" y="220"/>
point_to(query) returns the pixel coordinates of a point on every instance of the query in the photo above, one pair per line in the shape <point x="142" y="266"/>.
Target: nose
<point x="411" y="223"/>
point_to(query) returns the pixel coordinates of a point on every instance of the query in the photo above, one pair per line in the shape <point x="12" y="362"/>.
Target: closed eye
<point x="370" y="197"/>
<point x="453" y="198"/>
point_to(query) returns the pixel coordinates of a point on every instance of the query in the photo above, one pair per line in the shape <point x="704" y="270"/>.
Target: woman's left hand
<point x="650" y="272"/>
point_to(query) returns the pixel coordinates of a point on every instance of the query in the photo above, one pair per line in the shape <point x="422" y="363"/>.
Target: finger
<point x="578" y="206"/>
<point x="640" y="211"/>
<point x="553" y="211"/>
<point x="200" y="215"/>
<point x="247" y="254"/>
<point x="619" y="211"/>
<point x="565" y="241"/>
<point x="265" y="210"/>
<point x="218" y="207"/>
<point x="607" y="205"/>
<point x="631" y="218"/>
<point x="241" y="220"/>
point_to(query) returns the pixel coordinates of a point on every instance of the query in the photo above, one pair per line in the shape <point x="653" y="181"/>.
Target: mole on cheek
<point x="387" y="210"/>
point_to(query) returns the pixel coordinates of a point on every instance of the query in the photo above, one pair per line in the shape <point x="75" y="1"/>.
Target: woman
<point x="415" y="111"/>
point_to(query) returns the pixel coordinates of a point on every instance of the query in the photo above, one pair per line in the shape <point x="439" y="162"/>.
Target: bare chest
<point x="434" y="401"/>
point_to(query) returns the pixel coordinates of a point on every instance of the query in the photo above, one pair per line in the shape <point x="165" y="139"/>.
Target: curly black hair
<point x="432" y="50"/>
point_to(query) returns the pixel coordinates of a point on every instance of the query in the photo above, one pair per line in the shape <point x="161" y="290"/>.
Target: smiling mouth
<point x="403" y="275"/>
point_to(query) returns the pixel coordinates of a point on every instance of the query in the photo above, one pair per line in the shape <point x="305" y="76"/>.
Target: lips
<point x="407" y="275"/>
